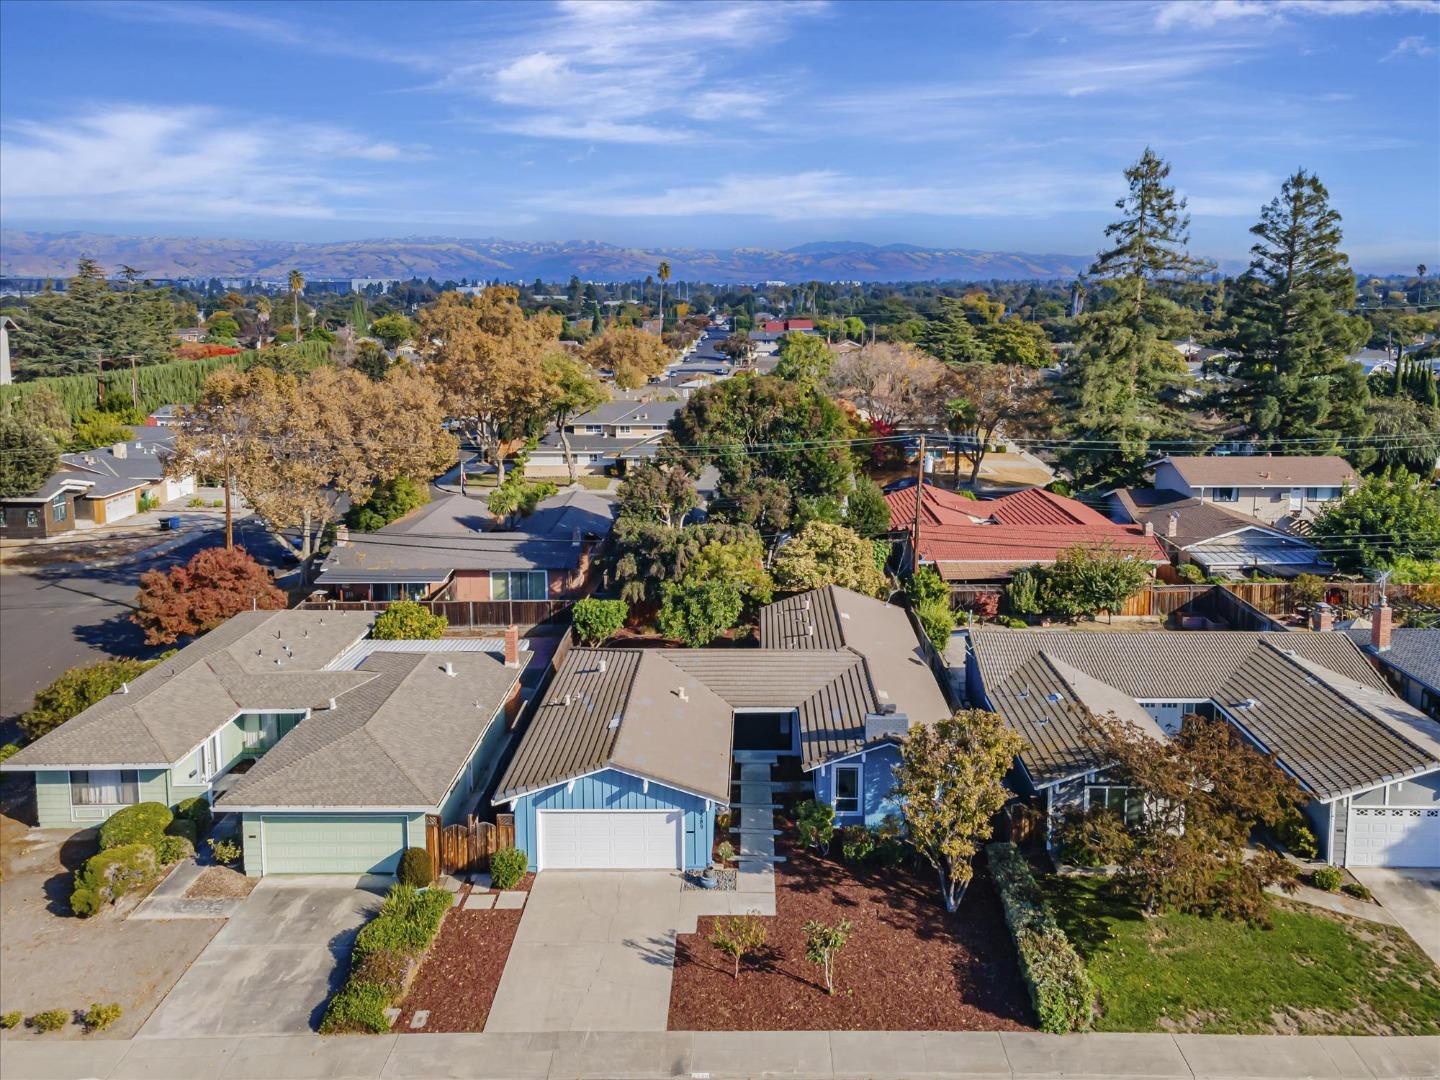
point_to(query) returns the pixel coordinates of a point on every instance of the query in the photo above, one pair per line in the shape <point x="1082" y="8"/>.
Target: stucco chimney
<point x="1322" y="617"/>
<point x="512" y="646"/>
<point x="1381" y="615"/>
<point x="342" y="535"/>
<point x="1149" y="528"/>
<point x="1172" y="524"/>
<point x="120" y="449"/>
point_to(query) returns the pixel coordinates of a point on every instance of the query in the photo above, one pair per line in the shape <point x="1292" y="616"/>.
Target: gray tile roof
<point x="1309" y="698"/>
<point x="399" y="740"/>
<point x="873" y="659"/>
<point x="452" y="533"/>
<point x="1412" y="652"/>
<point x="144" y="457"/>
<point x="255" y="660"/>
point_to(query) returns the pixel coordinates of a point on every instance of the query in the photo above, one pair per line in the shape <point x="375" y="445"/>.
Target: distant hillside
<point x="33" y="254"/>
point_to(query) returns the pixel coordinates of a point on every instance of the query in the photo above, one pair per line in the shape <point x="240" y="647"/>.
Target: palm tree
<point x="1420" y="289"/>
<point x="297" y="286"/>
<point x="262" y="313"/>
<point x="663" y="273"/>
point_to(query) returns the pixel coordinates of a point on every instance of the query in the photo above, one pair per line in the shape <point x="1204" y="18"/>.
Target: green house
<point x="332" y="748"/>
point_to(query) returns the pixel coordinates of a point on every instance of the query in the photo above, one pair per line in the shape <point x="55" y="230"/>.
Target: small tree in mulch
<point x="815" y="824"/>
<point x="739" y="936"/>
<point x="949" y="785"/>
<point x="822" y="944"/>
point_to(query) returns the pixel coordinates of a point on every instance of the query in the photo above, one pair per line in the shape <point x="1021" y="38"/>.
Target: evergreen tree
<point x="1120" y="385"/>
<point x="1287" y="325"/>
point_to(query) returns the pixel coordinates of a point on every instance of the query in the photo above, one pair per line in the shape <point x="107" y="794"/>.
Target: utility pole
<point x="919" y="497"/>
<point x="229" y="485"/>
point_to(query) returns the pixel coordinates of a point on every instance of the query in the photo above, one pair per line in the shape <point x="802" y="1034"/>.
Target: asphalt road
<point x="67" y="613"/>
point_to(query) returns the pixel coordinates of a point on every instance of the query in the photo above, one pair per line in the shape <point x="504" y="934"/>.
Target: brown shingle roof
<point x="1263" y="470"/>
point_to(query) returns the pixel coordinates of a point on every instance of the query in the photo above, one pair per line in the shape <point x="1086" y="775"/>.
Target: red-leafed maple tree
<point x="186" y="601"/>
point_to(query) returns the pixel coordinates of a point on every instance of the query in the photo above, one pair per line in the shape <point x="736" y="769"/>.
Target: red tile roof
<point x="993" y="537"/>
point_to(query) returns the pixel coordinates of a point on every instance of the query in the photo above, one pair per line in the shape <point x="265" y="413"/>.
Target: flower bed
<point x="388" y="951"/>
<point x="1060" y="987"/>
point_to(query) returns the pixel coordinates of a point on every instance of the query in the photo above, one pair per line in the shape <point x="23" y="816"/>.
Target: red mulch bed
<point x="461" y="973"/>
<point x="907" y="966"/>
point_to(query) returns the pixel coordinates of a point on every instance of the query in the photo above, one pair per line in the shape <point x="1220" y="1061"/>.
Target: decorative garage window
<point x="1394" y="812"/>
<point x="847" y="789"/>
<point x="517" y="585"/>
<point x="104" y="787"/>
<point x="1125" y="801"/>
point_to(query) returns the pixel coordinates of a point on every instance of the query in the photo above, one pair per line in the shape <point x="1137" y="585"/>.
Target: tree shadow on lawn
<point x="1085" y="909"/>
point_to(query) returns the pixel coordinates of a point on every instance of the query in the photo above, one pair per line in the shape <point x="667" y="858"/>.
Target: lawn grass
<point x="1314" y="973"/>
<point x="594" y="483"/>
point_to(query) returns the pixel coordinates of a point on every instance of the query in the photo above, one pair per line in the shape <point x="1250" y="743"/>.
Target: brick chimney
<point x="1381" y="616"/>
<point x="1172" y="524"/>
<point x="1322" y="617"/>
<point x="512" y="646"/>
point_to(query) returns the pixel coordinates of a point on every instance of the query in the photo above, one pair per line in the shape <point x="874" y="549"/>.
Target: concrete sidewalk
<point x="722" y="1054"/>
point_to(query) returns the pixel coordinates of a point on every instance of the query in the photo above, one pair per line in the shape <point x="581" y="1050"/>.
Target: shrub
<point x="8" y="750"/>
<point x="1192" y="573"/>
<point x="389" y="502"/>
<point x="815" y="824"/>
<point x="724" y="852"/>
<point x="405" y="620"/>
<point x="142" y="823"/>
<point x="1012" y="622"/>
<point x="11" y="1020"/>
<point x="596" y="620"/>
<point x="357" y="1007"/>
<point x="1358" y="891"/>
<point x="99" y="1017"/>
<point x="698" y="610"/>
<point x="507" y="867"/>
<point x="1307" y="589"/>
<point x="739" y="936"/>
<point x="76" y="690"/>
<point x="1059" y="985"/>
<point x="183" y="829"/>
<point x="1327" y="878"/>
<point x="857" y="843"/>
<point x="171" y="849"/>
<point x="1295" y="833"/>
<point x="197" y="811"/>
<point x="822" y="944"/>
<point x="109" y="875"/>
<point x="389" y="969"/>
<point x="50" y="1020"/>
<point x="387" y="933"/>
<point x="416" y="868"/>
<point x="225" y="852"/>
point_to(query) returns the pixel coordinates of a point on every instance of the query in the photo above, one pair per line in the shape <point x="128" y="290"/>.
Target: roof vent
<point x="805" y="604"/>
<point x="124" y="688"/>
<point x="1024" y="695"/>
<point x="600" y="666"/>
<point x="1248" y="703"/>
<point x="279" y="662"/>
<point x="1044" y="721"/>
<point x="566" y="701"/>
<point x="331" y="705"/>
<point x="681" y="694"/>
<point x="1053" y="698"/>
<point x="614" y="721"/>
<point x="448" y="668"/>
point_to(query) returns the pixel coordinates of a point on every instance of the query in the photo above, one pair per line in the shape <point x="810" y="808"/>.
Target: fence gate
<point x="466" y="847"/>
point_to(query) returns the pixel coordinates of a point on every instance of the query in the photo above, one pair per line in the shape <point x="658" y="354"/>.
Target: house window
<point x="1320" y="494"/>
<point x="1229" y="494"/>
<point x="400" y="591"/>
<point x="1125" y="801"/>
<point x="104" y="787"/>
<point x="847" y="789"/>
<point x="594" y="429"/>
<point x="32" y="519"/>
<point x="625" y="429"/>
<point x="517" y="585"/>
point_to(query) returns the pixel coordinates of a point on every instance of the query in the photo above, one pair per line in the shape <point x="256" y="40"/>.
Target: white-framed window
<point x="59" y="510"/>
<point x="104" y="787"/>
<point x="847" y="789"/>
<point x="1320" y="494"/>
<point x="624" y="429"/>
<point x="594" y="429"/>
<point x="1229" y="494"/>
<point x="1128" y="802"/>
<point x="518" y="585"/>
<point x="32" y="519"/>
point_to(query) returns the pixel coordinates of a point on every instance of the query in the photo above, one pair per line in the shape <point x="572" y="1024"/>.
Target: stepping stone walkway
<point x="757" y="830"/>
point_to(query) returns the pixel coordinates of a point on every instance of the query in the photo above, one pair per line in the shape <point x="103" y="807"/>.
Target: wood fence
<point x="468" y="613"/>
<point x="466" y="847"/>
<point x="1242" y="606"/>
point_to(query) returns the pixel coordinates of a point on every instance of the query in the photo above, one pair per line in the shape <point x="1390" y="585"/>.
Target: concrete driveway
<point x="1412" y="896"/>
<point x="271" y="969"/>
<point x="594" y="952"/>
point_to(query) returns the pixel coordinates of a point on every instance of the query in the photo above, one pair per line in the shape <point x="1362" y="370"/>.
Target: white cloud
<point x="138" y="162"/>
<point x="1414" y="45"/>
<point x="1205" y="14"/>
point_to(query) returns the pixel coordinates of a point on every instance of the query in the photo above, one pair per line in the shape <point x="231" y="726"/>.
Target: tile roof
<point x="399" y="740"/>
<point x="1312" y="699"/>
<point x="452" y="533"/>
<point x="1412" y="652"/>
<point x="617" y="707"/>
<point x="1262" y="470"/>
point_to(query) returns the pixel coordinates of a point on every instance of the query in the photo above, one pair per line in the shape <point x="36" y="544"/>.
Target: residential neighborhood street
<point x="76" y="609"/>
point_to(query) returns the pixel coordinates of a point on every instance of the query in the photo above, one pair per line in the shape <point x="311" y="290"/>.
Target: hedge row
<point x="1060" y="987"/>
<point x="176" y="383"/>
<point x="388" y="951"/>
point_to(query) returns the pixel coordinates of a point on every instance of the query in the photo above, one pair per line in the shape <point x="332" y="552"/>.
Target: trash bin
<point x="171" y="523"/>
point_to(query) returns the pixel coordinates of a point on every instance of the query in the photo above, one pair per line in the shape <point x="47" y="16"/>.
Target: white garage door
<point x="610" y="839"/>
<point x="1393" y="836"/>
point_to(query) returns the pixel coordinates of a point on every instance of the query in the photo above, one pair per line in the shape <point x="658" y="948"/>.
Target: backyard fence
<point x="466" y="847"/>
<point x="466" y="613"/>
<point x="1241" y="606"/>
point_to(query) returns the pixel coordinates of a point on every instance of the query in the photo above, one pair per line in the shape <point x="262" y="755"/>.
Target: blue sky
<point x="994" y="126"/>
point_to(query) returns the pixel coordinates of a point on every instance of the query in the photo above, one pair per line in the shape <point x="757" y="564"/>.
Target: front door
<point x="210" y="757"/>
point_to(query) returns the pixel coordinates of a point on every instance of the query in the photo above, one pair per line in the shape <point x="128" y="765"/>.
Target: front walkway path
<point x="723" y="1054"/>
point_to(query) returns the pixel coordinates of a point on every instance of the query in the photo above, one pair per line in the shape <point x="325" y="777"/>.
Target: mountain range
<point x="54" y="254"/>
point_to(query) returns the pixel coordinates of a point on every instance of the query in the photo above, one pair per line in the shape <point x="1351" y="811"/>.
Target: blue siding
<point x="877" y="783"/>
<point x="611" y="790"/>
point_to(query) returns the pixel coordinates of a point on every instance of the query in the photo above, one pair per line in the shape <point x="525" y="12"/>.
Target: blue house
<point x="628" y="757"/>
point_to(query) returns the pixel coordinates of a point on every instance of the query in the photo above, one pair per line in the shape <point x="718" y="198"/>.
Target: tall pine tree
<point x="1288" y="330"/>
<point x="1120" y="386"/>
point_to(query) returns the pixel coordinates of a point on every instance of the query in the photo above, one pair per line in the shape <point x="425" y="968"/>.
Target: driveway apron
<point x="1412" y="896"/>
<point x="595" y="951"/>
